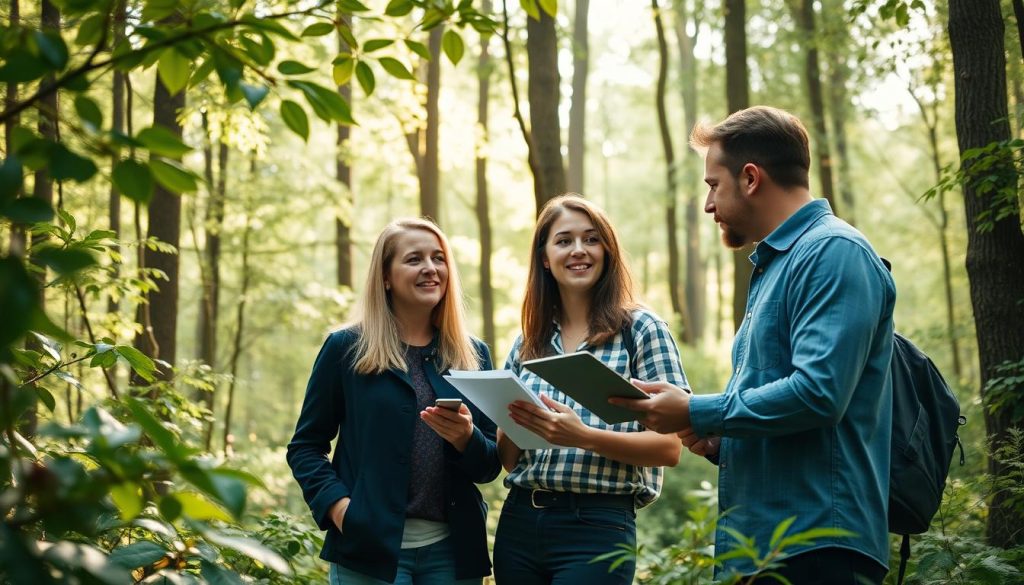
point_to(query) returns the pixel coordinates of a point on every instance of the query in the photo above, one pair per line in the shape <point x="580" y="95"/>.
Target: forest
<point x="190" y="189"/>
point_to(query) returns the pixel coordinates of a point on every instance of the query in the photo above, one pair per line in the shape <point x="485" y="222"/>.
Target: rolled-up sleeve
<point x="319" y="420"/>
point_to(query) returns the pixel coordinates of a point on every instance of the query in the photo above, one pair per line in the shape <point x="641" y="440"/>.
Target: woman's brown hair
<point x="612" y="295"/>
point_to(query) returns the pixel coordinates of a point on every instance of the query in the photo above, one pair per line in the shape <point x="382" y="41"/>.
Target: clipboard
<point x="590" y="382"/>
<point x="492" y="391"/>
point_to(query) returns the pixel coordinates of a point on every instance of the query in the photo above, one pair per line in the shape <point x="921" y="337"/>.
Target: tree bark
<point x="430" y="204"/>
<point x="483" y="214"/>
<point x="517" y="112"/>
<point x="803" y="12"/>
<point x="695" y="285"/>
<point x="543" y="92"/>
<point x="117" y="115"/>
<point x="670" y="179"/>
<point x="164" y="225"/>
<point x="343" y="172"/>
<point x="236" y="346"/>
<point x="737" y="94"/>
<point x="17" y="236"/>
<point x="578" y="109"/>
<point x="995" y="259"/>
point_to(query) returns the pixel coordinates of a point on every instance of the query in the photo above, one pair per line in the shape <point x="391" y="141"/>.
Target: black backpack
<point x="925" y="420"/>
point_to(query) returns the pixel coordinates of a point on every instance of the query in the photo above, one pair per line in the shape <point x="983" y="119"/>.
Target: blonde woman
<point x="398" y="499"/>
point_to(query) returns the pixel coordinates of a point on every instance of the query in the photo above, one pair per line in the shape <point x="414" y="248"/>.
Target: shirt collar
<point x="783" y="237"/>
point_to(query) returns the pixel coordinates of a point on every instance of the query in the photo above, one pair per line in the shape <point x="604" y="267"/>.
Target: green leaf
<point x="549" y="6"/>
<point x="376" y="44"/>
<point x="214" y="574"/>
<point x="249" y="548"/>
<point x="134" y="180"/>
<point x="173" y="176"/>
<point x="138" y="554"/>
<point x="343" y="71"/>
<point x="90" y="30"/>
<point x="396" y="68"/>
<point x="254" y="94"/>
<point x="352" y="6"/>
<point x="418" y="48"/>
<point x="61" y="260"/>
<point x="345" y="32"/>
<point x="89" y="112"/>
<point x="318" y="29"/>
<point x="293" y="68"/>
<point x="28" y="210"/>
<point x="51" y="48"/>
<point x="295" y="118"/>
<point x="229" y="69"/>
<point x="156" y="431"/>
<point x="531" y="8"/>
<point x="11" y="179"/>
<point x="159" y="140"/>
<point x="138" y="361"/>
<point x="103" y="359"/>
<point x="326" y="103"/>
<point x="21" y="66"/>
<point x="65" y="165"/>
<point x="453" y="46"/>
<point x="780" y="531"/>
<point x="170" y="508"/>
<point x="224" y="487"/>
<point x="398" y="8"/>
<point x="198" y="507"/>
<point x="174" y="69"/>
<point x="366" y="79"/>
<point x="46" y="397"/>
<point x="127" y="497"/>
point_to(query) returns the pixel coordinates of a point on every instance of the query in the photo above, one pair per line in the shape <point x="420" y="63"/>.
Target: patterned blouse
<point x="576" y="470"/>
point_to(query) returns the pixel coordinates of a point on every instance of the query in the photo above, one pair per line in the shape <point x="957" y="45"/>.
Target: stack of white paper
<point x="492" y="391"/>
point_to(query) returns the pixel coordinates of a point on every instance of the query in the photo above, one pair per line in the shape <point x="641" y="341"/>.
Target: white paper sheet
<point x="492" y="391"/>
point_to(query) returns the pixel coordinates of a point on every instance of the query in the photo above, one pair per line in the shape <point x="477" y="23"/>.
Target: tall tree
<point x="737" y="96"/>
<point x="837" y="47"/>
<point x="543" y="92"/>
<point x="343" y="172"/>
<point x="158" y="337"/>
<point x="430" y="203"/>
<point x="806" y="19"/>
<point x="995" y="255"/>
<point x="117" y="123"/>
<point x="675" y="294"/>
<point x="578" y="109"/>
<point x="483" y="214"/>
<point x="17" y="239"/>
<point x="695" y="286"/>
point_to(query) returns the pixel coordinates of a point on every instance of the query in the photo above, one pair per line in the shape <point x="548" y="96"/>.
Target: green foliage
<point x="1002" y="391"/>
<point x="992" y="172"/>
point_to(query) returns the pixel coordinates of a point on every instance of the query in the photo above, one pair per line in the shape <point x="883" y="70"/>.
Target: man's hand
<point x="559" y="425"/>
<point x="666" y="411"/>
<point x="454" y="427"/>
<point x="338" y="512"/>
<point x="706" y="447"/>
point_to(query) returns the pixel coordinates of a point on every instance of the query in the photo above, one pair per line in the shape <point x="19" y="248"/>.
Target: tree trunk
<point x="543" y="92"/>
<point x="670" y="179"/>
<point x="995" y="259"/>
<point x="236" y="347"/>
<point x="483" y="214"/>
<point x="803" y="12"/>
<point x="837" y="30"/>
<point x="531" y="148"/>
<point x="430" y="204"/>
<point x="164" y="225"/>
<point x="695" y="286"/>
<point x="578" y="109"/>
<point x="17" y="239"/>
<point x="343" y="172"/>
<point x="116" y="125"/>
<point x="737" y="94"/>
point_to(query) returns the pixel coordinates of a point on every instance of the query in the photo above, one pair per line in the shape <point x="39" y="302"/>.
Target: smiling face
<point x="732" y="212"/>
<point x="574" y="252"/>
<point x="417" y="276"/>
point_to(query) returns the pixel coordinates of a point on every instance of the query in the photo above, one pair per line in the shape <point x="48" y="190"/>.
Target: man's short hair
<point x="770" y="138"/>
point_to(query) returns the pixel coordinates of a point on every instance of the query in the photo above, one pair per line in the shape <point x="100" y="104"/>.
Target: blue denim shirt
<point x="806" y="417"/>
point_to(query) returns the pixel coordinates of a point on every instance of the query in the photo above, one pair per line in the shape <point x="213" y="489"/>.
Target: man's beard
<point x="732" y="238"/>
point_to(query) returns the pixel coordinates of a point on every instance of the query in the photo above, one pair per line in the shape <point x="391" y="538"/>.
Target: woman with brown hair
<point x="398" y="499"/>
<point x="567" y="506"/>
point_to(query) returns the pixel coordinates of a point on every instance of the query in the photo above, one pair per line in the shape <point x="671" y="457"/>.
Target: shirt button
<point x="723" y="465"/>
<point x="749" y="314"/>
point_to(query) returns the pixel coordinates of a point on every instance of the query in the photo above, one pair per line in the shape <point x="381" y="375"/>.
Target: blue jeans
<point x="433" y="564"/>
<point x="556" y="546"/>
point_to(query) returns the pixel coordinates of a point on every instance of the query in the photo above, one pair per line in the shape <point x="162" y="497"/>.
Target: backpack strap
<point x="904" y="556"/>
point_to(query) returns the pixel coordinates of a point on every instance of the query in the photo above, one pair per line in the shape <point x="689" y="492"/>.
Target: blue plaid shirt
<point x="584" y="472"/>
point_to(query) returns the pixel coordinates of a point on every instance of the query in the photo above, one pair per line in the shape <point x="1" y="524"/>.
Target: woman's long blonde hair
<point x="380" y="346"/>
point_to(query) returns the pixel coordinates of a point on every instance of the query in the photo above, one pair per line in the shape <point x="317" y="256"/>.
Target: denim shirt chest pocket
<point x="764" y="336"/>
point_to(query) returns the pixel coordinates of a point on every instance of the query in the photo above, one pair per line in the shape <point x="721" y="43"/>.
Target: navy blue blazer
<point x="373" y="417"/>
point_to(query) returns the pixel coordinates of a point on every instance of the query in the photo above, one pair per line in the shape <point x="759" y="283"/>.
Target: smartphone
<point x="449" y="403"/>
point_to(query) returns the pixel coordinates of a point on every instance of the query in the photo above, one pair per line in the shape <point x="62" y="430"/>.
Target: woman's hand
<point x="338" y="511"/>
<point x="454" y="427"/>
<point x="558" y="423"/>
